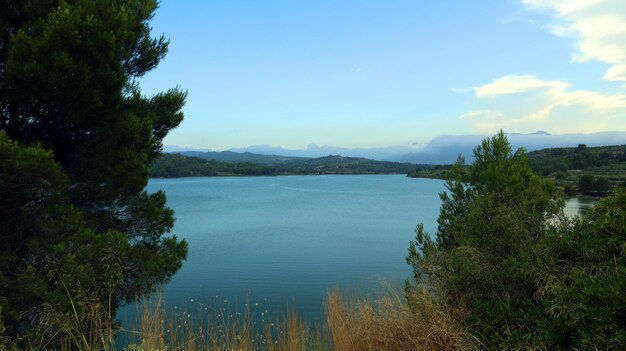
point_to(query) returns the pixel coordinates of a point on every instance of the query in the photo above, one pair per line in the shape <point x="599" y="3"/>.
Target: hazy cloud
<point x="599" y="27"/>
<point x="515" y="84"/>
<point x="527" y="103"/>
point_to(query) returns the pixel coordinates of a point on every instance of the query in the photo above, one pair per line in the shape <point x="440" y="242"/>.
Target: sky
<point x="389" y="72"/>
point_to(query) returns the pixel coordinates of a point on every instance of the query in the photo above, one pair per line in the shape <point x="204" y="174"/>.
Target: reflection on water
<point x="578" y="205"/>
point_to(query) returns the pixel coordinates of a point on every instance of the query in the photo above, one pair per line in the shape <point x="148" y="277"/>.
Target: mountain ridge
<point x="443" y="149"/>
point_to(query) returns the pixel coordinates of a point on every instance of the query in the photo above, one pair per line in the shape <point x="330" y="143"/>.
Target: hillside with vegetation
<point x="587" y="170"/>
<point x="177" y="165"/>
<point x="335" y="164"/>
<point x="582" y="169"/>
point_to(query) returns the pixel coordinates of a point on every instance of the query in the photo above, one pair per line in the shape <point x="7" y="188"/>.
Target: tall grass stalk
<point x="387" y="323"/>
<point x="384" y="323"/>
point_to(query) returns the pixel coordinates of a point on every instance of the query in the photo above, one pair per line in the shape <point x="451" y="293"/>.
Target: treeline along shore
<point x="177" y="165"/>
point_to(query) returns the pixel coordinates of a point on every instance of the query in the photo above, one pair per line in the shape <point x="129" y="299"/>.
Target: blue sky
<point x="381" y="73"/>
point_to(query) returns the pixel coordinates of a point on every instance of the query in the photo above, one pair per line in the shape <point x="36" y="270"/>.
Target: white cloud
<point x="599" y="27"/>
<point x="514" y="84"/>
<point x="562" y="6"/>
<point x="525" y="102"/>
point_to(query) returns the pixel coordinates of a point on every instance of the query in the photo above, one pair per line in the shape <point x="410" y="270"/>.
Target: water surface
<point x="273" y="240"/>
<point x="578" y="205"/>
<point x="270" y="240"/>
<point x="276" y="239"/>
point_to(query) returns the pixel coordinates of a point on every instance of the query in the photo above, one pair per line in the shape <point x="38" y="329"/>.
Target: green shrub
<point x="585" y="275"/>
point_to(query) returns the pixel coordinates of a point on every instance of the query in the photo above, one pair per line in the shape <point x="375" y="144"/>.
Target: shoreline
<point x="281" y="175"/>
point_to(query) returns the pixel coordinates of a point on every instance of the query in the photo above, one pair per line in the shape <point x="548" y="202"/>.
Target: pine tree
<point x="79" y="138"/>
<point x="481" y="259"/>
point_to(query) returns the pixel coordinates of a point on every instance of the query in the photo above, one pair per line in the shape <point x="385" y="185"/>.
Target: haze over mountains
<point x="443" y="149"/>
<point x="391" y="153"/>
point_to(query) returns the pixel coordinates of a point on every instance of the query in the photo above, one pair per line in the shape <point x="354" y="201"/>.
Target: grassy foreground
<point x="383" y="323"/>
<point x="350" y="324"/>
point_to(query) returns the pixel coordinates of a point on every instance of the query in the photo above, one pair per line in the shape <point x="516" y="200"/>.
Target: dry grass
<point x="385" y="323"/>
<point x="206" y="328"/>
<point x="218" y="328"/>
<point x="85" y="326"/>
<point x="289" y="333"/>
<point x="388" y="324"/>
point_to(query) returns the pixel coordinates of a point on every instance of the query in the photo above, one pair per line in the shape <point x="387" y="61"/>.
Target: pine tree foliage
<point x="77" y="137"/>
<point x="480" y="258"/>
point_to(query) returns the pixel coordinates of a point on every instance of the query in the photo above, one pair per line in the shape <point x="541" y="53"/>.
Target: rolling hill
<point x="181" y="165"/>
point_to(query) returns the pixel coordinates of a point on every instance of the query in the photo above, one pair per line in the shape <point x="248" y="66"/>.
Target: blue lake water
<point x="274" y="240"/>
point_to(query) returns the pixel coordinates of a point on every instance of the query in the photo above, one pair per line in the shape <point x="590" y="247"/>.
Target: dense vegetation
<point x="79" y="235"/>
<point x="517" y="273"/>
<point x="584" y="170"/>
<point x="176" y="165"/>
<point x="587" y="170"/>
<point x="430" y="171"/>
<point x="549" y="161"/>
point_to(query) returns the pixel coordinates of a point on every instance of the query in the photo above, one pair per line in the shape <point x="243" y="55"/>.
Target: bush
<point x="601" y="184"/>
<point x="585" y="279"/>
<point x="586" y="183"/>
<point x="525" y="276"/>
<point x="482" y="257"/>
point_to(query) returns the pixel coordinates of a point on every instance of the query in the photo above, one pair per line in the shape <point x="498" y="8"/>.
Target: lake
<point x="273" y="240"/>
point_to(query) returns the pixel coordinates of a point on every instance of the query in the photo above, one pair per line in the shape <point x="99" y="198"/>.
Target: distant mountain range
<point x="241" y="157"/>
<point x="443" y="149"/>
<point x="391" y="153"/>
